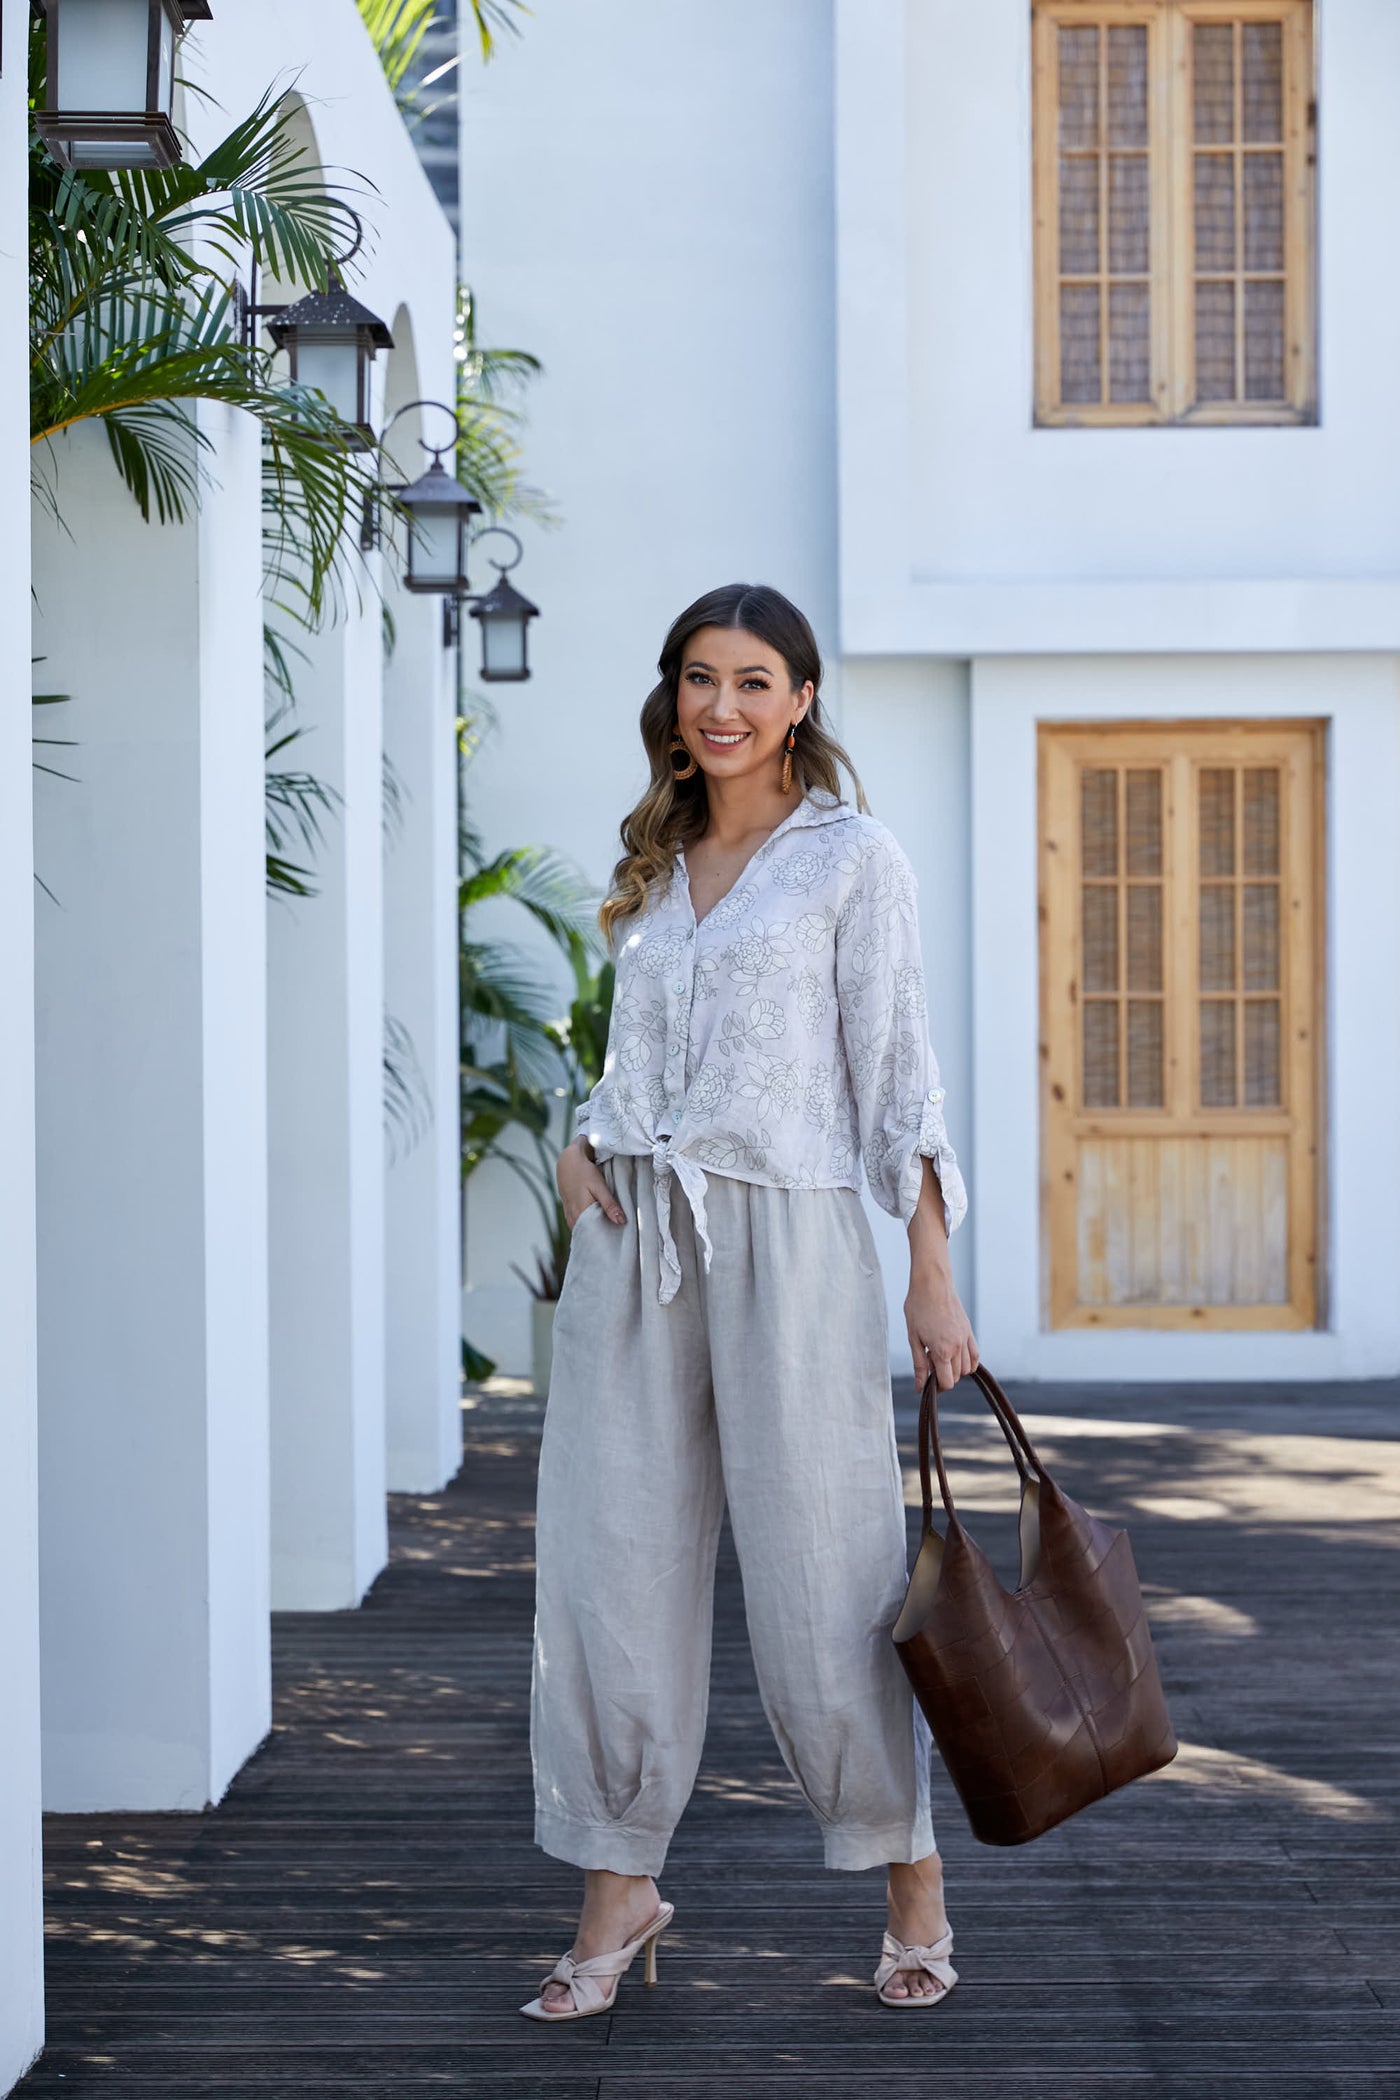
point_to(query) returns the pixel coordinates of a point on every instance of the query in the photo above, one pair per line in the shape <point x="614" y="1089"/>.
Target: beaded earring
<point x="678" y="743"/>
<point x="788" y="749"/>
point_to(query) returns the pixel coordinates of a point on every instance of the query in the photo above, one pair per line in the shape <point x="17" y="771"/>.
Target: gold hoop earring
<point x="678" y="743"/>
<point x="789" y="747"/>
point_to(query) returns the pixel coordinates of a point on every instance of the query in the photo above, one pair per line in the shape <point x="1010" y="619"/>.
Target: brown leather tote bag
<point x="1043" y="1698"/>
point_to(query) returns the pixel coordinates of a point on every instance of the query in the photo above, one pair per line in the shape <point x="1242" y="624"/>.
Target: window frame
<point x="1171" y="143"/>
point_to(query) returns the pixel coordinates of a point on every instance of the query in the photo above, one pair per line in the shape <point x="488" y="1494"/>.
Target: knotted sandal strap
<point x="895" y="1955"/>
<point x="580" y="1976"/>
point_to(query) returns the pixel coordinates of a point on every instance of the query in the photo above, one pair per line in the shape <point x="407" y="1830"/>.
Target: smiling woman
<point x="768" y="1034"/>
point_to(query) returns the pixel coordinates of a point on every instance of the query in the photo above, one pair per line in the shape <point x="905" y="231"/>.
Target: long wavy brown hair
<point x="672" y="813"/>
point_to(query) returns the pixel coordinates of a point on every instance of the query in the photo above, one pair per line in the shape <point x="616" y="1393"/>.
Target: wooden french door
<point x="1181" y="881"/>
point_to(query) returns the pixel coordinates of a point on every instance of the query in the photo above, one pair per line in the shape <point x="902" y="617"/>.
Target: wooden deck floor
<point x="365" y="1910"/>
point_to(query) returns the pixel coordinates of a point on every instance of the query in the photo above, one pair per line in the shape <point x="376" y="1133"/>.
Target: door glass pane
<point x="1217" y="1053"/>
<point x="1098" y="821"/>
<point x="1261" y="1054"/>
<point x="1145" y="1053"/>
<point x="1100" y="937"/>
<point x="1217" y="937"/>
<point x="1143" y="795"/>
<point x="1217" y="808"/>
<point x="1261" y="827"/>
<point x="1101" y="1053"/>
<point x="1145" y="938"/>
<point x="1260" y="936"/>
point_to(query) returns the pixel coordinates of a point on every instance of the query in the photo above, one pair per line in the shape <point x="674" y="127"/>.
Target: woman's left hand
<point x="940" y="1333"/>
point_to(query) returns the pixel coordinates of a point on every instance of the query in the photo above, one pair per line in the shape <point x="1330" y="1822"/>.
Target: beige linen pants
<point x="767" y="1381"/>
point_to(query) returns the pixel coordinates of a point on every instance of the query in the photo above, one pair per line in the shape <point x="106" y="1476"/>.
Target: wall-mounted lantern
<point x="440" y="510"/>
<point x="505" y="615"/>
<point x="111" y="81"/>
<point x="330" y="339"/>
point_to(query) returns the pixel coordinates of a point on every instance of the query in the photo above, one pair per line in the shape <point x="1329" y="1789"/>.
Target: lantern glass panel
<point x="334" y="369"/>
<point x="436" y="553"/>
<point x="503" y="645"/>
<point x="165" y="72"/>
<point x="103" y="47"/>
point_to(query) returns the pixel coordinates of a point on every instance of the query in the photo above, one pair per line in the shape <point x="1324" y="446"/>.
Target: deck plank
<point x="364" y="1911"/>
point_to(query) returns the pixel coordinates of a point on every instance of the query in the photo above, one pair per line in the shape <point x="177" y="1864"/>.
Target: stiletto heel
<point x="585" y="1979"/>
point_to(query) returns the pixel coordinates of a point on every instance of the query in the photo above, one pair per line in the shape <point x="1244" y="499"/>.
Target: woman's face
<point x="736" y="702"/>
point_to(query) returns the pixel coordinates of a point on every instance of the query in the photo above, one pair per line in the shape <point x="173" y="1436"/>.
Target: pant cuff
<point x="852" y="1849"/>
<point x="609" y="1845"/>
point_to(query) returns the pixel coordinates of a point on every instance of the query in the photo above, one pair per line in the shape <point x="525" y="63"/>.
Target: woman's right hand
<point x="581" y="1182"/>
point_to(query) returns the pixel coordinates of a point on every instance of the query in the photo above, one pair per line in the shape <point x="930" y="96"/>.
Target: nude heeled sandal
<point x="895" y="1955"/>
<point x="583" y="1977"/>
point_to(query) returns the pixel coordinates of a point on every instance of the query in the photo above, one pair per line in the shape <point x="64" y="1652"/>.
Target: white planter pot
<point x="541" y="1342"/>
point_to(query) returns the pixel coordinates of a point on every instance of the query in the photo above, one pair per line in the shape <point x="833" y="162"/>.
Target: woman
<point x="722" y="1328"/>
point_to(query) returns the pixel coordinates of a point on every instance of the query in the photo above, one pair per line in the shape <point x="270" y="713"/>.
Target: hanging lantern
<point x="440" y="510"/>
<point x="330" y="340"/>
<point x="111" y="81"/>
<point x="505" y="615"/>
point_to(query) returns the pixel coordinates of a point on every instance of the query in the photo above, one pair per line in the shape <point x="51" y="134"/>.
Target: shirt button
<point x="677" y="987"/>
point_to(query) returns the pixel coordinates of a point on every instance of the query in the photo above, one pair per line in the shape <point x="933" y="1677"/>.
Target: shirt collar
<point x="818" y="806"/>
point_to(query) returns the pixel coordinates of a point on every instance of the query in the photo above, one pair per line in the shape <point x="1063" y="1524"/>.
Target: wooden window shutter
<point x="1174" y="219"/>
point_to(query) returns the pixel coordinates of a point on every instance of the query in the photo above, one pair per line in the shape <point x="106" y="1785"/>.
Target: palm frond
<point x="408" y="1100"/>
<point x="396" y="29"/>
<point x="545" y="883"/>
<point x="492" y="17"/>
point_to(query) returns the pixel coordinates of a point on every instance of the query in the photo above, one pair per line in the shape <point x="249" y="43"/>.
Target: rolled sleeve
<point x="894" y="1072"/>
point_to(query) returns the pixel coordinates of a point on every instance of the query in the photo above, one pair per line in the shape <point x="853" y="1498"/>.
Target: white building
<point x="229" y="1315"/>
<point x="1029" y="347"/>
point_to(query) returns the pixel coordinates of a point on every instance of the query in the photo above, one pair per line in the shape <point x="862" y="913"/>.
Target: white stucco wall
<point x="646" y="204"/>
<point x="21" y="1953"/>
<point x="964" y="529"/>
<point x="154" y="1185"/>
<point x="1360" y="698"/>
<point x="908" y="725"/>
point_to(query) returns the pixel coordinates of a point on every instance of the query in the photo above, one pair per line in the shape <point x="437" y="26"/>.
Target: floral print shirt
<point x="783" y="1039"/>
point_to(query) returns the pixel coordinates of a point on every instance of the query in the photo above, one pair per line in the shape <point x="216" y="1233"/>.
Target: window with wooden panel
<point x="1174" y="182"/>
<point x="1180" y="993"/>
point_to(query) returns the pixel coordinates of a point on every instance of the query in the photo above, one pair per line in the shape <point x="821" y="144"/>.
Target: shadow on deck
<point x="365" y="1910"/>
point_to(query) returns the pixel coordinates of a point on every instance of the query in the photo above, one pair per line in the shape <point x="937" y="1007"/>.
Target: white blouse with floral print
<point x="784" y="1037"/>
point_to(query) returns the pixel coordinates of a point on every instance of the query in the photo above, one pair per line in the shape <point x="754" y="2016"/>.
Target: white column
<point x="423" y="1224"/>
<point x="150" y="977"/>
<point x="326" y="1106"/>
<point x="21" y="1964"/>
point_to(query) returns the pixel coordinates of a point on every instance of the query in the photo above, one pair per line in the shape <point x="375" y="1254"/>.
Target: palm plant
<point x="524" y="1068"/>
<point x="397" y="29"/>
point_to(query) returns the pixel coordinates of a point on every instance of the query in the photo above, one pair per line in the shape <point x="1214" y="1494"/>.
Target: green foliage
<point x="488" y="456"/>
<point x="397" y="29"/>
<point x="524" y="1068"/>
<point x="135" y="319"/>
